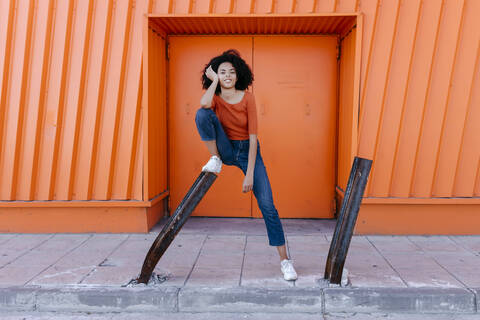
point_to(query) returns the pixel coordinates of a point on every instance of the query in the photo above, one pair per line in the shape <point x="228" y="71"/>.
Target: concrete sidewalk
<point x="226" y="265"/>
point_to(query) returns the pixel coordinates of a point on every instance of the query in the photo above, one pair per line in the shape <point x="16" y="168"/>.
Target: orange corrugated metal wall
<point x="70" y="119"/>
<point x="69" y="114"/>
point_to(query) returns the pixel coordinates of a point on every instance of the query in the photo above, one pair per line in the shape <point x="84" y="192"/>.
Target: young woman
<point x="227" y="123"/>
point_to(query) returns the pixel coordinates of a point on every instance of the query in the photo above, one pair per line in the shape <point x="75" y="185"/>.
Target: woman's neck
<point x="228" y="93"/>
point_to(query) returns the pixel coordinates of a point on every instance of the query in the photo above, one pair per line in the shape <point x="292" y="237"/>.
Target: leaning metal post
<point x="175" y="223"/>
<point x="346" y="219"/>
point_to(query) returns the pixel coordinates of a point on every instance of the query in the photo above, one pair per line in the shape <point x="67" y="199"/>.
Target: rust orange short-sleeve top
<point x="238" y="120"/>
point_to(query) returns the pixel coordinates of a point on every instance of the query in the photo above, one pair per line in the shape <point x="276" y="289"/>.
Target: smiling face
<point x="227" y="75"/>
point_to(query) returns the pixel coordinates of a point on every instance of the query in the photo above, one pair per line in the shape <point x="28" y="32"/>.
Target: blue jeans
<point x="235" y="152"/>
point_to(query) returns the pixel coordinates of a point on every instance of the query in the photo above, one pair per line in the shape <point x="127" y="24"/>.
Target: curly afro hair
<point x="244" y="73"/>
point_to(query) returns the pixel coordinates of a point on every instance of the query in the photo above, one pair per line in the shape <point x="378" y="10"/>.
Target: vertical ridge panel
<point x="381" y="48"/>
<point x="100" y="107"/>
<point x="457" y="104"/>
<point x="128" y="130"/>
<point x="33" y="102"/>
<point x="181" y="6"/>
<point x="81" y="100"/>
<point x="137" y="182"/>
<point x="394" y="97"/>
<point x="119" y="102"/>
<point x="417" y="90"/>
<point x="282" y="6"/>
<point x="384" y="89"/>
<point x="26" y="76"/>
<point x="63" y="91"/>
<point x="302" y="6"/>
<point x="64" y="86"/>
<point x="346" y="6"/>
<point x="6" y="35"/>
<point x="11" y="98"/>
<point x="437" y="99"/>
<point x="53" y="93"/>
<point x="92" y="87"/>
<point x="222" y="6"/>
<point x="160" y="6"/>
<point x="369" y="26"/>
<point x="263" y="6"/>
<point x="134" y="152"/>
<point x="201" y="6"/>
<point x="469" y="155"/>
<point x="107" y="111"/>
<point x="67" y="142"/>
<point x="325" y="5"/>
<point x="477" y="184"/>
<point x="46" y="69"/>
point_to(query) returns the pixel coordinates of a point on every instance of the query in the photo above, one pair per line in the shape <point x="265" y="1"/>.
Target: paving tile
<point x="216" y="260"/>
<point x="92" y="252"/>
<point x="224" y="244"/>
<point x="180" y="252"/>
<point x="308" y="244"/>
<point x="4" y="237"/>
<point x="175" y="277"/>
<point x="308" y="226"/>
<point x="309" y="267"/>
<point x="395" y="244"/>
<point x="149" y="237"/>
<point x="214" y="277"/>
<point x="61" y="275"/>
<point x="471" y="243"/>
<point x="308" y="276"/>
<point x="369" y="269"/>
<point x="259" y="245"/>
<point x="264" y="278"/>
<point x="261" y="270"/>
<point x="51" y="250"/>
<point x="178" y="259"/>
<point x="111" y="276"/>
<point x="18" y="246"/>
<point x="436" y="243"/>
<point x="420" y="270"/>
<point x="227" y="226"/>
<point x="18" y="275"/>
<point x="463" y="266"/>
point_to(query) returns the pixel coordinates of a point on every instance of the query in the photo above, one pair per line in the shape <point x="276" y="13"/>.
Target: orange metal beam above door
<point x="254" y="24"/>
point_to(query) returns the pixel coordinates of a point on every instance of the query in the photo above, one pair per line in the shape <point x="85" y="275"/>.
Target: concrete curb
<point x="17" y="299"/>
<point x="240" y="299"/>
<point x="414" y="300"/>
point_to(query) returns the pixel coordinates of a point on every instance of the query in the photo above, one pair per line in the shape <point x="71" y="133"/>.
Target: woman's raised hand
<point x="211" y="74"/>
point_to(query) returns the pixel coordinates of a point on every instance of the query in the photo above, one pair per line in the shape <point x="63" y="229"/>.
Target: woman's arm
<point x="252" y="156"/>
<point x="206" y="100"/>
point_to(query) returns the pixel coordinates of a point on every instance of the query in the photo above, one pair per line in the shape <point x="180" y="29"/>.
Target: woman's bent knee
<point x="203" y="114"/>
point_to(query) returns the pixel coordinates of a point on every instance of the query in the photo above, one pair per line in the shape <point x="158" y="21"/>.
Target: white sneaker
<point x="288" y="270"/>
<point x="213" y="165"/>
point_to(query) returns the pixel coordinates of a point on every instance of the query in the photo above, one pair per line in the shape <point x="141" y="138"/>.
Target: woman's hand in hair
<point x="211" y="74"/>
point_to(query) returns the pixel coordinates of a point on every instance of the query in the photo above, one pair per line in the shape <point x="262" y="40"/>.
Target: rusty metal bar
<point x="346" y="219"/>
<point x="175" y="223"/>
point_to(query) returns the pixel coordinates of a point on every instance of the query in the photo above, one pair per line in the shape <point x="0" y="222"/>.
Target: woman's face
<point x="227" y="75"/>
